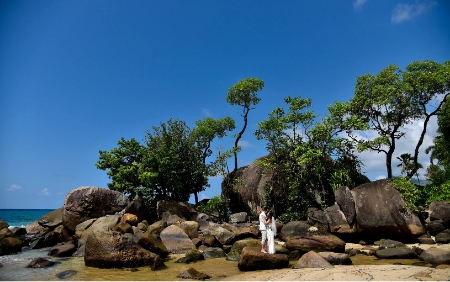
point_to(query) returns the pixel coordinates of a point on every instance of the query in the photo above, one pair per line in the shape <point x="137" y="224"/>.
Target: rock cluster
<point x="119" y="238"/>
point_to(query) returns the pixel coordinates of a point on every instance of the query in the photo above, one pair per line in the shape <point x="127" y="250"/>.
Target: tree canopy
<point x="244" y="94"/>
<point x="393" y="98"/>
<point x="171" y="164"/>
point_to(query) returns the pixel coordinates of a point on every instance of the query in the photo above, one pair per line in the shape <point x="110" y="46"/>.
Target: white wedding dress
<point x="271" y="233"/>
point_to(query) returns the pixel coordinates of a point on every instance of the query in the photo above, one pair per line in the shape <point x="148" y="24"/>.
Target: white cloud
<point x="206" y="112"/>
<point x="358" y="4"/>
<point x="404" y="12"/>
<point x="380" y="177"/>
<point x="45" y="192"/>
<point x="244" y="144"/>
<point x="13" y="187"/>
<point x="375" y="163"/>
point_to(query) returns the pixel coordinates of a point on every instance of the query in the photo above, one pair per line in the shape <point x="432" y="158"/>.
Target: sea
<point x="22" y="217"/>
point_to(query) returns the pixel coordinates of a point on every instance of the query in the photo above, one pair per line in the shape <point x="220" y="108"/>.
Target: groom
<point x="263" y="228"/>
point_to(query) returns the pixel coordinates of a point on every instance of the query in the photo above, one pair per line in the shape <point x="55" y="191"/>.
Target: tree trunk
<point x="246" y="110"/>
<point x="389" y="157"/>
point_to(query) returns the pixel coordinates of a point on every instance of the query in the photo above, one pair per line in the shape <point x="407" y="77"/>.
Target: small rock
<point x="312" y="260"/>
<point x="192" y="273"/>
<point x="40" y="263"/>
<point x="191" y="256"/>
<point x="442" y="237"/>
<point x="66" y="274"/>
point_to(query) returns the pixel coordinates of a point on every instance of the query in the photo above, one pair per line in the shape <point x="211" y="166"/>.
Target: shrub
<point x="408" y="191"/>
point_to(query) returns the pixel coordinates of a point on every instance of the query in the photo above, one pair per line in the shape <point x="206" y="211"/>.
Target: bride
<point x="271" y="233"/>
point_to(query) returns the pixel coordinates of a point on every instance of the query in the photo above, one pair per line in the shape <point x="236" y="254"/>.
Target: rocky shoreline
<point x="109" y="231"/>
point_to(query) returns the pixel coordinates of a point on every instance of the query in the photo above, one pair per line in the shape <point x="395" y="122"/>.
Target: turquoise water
<point x="22" y="217"/>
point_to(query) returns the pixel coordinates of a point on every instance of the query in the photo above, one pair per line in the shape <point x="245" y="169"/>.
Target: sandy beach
<point x="353" y="272"/>
<point x="349" y="273"/>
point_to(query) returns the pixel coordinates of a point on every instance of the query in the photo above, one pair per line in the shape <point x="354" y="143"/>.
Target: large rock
<point x="151" y="242"/>
<point x="238" y="246"/>
<point x="222" y="235"/>
<point x="312" y="260"/>
<point x="5" y="232"/>
<point x="440" y="210"/>
<point x="248" y="194"/>
<point x="242" y="230"/>
<point x="338" y="222"/>
<point x="62" y="233"/>
<point x="204" y="221"/>
<point x="65" y="250"/>
<point x="19" y="231"/>
<point x="3" y="224"/>
<point x="346" y="203"/>
<point x="176" y="240"/>
<point x="253" y="259"/>
<point x="85" y="228"/>
<point x="157" y="227"/>
<point x="299" y="235"/>
<point x="239" y="217"/>
<point x="48" y="240"/>
<point x="52" y="219"/>
<point x="10" y="245"/>
<point x="213" y="253"/>
<point x="136" y="207"/>
<point x="435" y="256"/>
<point x="318" y="218"/>
<point x="87" y="202"/>
<point x="110" y="249"/>
<point x="443" y="238"/>
<point x="380" y="211"/>
<point x="34" y="228"/>
<point x="435" y="227"/>
<point x="396" y="253"/>
<point x="183" y="210"/>
<point x="189" y="227"/>
<point x="336" y="258"/>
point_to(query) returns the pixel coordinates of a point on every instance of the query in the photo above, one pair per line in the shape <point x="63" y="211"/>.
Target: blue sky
<point x="75" y="76"/>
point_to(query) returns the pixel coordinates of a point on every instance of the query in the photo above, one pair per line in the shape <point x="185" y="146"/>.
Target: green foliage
<point x="244" y="94"/>
<point x="340" y="178"/>
<point x="438" y="190"/>
<point x="123" y="165"/>
<point x="307" y="159"/>
<point x="393" y="98"/>
<point x="215" y="204"/>
<point x="440" y="150"/>
<point x="170" y="165"/>
<point x="408" y="190"/>
<point x="406" y="164"/>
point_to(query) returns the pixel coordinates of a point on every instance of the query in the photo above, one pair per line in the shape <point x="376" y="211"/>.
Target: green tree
<point x="440" y="150"/>
<point x="123" y="165"/>
<point x="429" y="86"/>
<point x="439" y="172"/>
<point x="393" y="98"/>
<point x="205" y="132"/>
<point x="244" y="94"/>
<point x="307" y="159"/>
<point x="168" y="166"/>
<point x="173" y="166"/>
<point x="407" y="165"/>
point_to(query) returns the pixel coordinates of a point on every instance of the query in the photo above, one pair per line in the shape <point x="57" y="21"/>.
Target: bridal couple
<point x="268" y="230"/>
